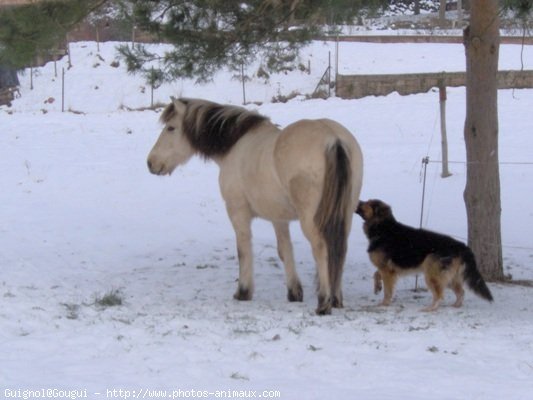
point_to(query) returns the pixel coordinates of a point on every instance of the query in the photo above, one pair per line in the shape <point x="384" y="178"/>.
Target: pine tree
<point x="206" y="34"/>
<point x="31" y="30"/>
<point x="522" y="8"/>
<point x="209" y="34"/>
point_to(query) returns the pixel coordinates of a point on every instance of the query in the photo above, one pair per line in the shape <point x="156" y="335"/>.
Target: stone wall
<point x="525" y="40"/>
<point x="358" y="86"/>
<point x="17" y="2"/>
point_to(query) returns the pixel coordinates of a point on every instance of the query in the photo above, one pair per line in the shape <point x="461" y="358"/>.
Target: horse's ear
<point x="179" y="106"/>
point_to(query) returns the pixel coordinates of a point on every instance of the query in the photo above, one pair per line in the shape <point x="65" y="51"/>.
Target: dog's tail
<point x="334" y="210"/>
<point x="473" y="277"/>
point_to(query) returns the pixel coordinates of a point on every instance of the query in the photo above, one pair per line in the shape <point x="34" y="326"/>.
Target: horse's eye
<point x="170" y="128"/>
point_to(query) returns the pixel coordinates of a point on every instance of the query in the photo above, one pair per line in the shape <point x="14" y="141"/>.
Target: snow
<point x="81" y="217"/>
<point x="372" y="58"/>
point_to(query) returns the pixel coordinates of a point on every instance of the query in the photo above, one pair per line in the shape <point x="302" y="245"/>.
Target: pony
<point x="310" y="171"/>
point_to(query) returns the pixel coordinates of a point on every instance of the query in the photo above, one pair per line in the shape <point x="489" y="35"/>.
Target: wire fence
<point x="425" y="209"/>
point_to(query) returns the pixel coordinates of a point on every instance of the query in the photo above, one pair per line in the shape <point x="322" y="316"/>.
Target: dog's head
<point x="374" y="211"/>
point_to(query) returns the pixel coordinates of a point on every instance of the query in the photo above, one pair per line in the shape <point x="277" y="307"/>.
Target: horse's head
<point x="172" y="147"/>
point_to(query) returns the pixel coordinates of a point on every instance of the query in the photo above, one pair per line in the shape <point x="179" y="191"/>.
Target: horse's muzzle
<point x="150" y="166"/>
<point x="153" y="169"/>
<point x="158" y="169"/>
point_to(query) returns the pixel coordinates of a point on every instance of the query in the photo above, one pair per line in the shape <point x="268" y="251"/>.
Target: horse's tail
<point x="334" y="210"/>
<point x="473" y="278"/>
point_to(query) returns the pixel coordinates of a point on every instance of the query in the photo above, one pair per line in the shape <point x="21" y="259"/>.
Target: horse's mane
<point x="211" y="128"/>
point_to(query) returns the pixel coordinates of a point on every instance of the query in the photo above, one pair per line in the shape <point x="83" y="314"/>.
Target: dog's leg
<point x="433" y="306"/>
<point x="436" y="281"/>
<point x="389" y="280"/>
<point x="457" y="287"/>
<point x="437" y="289"/>
<point x="378" y="285"/>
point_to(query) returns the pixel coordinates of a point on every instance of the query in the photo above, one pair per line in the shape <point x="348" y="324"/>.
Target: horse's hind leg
<point x="241" y="220"/>
<point x="305" y="201"/>
<point x="320" y="254"/>
<point x="294" y="287"/>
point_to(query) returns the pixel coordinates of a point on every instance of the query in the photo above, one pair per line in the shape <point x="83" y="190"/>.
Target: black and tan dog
<point x="396" y="249"/>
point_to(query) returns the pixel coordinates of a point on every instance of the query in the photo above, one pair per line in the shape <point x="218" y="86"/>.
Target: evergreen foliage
<point x="209" y="34"/>
<point x="206" y="34"/>
<point x="30" y="30"/>
<point x="522" y="8"/>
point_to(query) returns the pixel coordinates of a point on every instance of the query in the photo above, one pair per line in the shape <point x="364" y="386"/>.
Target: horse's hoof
<point x="243" y="294"/>
<point x="296" y="293"/>
<point x="324" y="306"/>
<point x="336" y="302"/>
<point x="324" y="310"/>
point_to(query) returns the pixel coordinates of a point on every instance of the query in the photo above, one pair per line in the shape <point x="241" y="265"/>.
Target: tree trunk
<point x="292" y="18"/>
<point x="482" y="191"/>
<point x="8" y="77"/>
<point x="459" y="10"/>
<point x="8" y="82"/>
<point x="417" y="7"/>
<point x="442" y="12"/>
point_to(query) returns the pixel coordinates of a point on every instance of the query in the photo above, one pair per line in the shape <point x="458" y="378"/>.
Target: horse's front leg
<point x="241" y="218"/>
<point x="294" y="287"/>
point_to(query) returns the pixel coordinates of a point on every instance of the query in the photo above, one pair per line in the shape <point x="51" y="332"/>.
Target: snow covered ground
<point x="82" y="219"/>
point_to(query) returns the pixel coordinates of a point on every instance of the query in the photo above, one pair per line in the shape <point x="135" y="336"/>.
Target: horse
<point x="310" y="171"/>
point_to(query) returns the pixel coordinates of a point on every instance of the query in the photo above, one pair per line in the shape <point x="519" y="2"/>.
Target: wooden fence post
<point x="444" y="140"/>
<point x="329" y="74"/>
<point x="97" y="39"/>
<point x="243" y="78"/>
<point x="63" y="90"/>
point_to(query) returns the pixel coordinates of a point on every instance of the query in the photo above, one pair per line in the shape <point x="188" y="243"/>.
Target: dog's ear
<point x="382" y="210"/>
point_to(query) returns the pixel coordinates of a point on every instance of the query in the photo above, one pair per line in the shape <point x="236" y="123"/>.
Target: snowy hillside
<point x="112" y="278"/>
